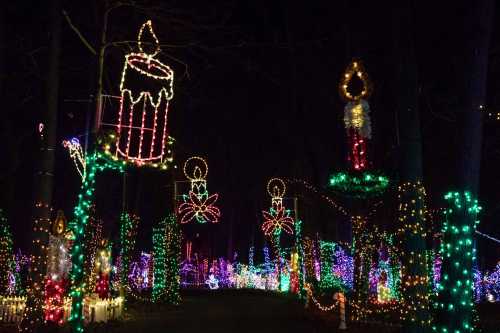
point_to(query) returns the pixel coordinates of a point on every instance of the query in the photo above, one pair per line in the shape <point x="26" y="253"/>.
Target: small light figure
<point x="198" y="204"/>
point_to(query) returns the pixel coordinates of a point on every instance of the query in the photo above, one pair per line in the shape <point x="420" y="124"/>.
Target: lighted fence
<point x="94" y="309"/>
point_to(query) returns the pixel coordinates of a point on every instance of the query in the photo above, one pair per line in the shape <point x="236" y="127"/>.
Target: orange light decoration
<point x="356" y="114"/>
<point x="198" y="204"/>
<point x="141" y="129"/>
<point x="278" y="218"/>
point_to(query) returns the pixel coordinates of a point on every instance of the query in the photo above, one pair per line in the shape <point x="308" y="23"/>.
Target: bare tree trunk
<point x="44" y="181"/>
<point x="100" y="68"/>
<point x="456" y="308"/>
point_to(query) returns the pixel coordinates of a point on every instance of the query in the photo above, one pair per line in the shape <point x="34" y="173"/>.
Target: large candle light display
<point x="141" y="128"/>
<point x="356" y="114"/>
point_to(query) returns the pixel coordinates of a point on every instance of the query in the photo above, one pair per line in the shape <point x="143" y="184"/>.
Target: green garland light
<point x="6" y="259"/>
<point x="455" y="306"/>
<point x="328" y="282"/>
<point x="173" y="249"/>
<point x="96" y="162"/>
<point x="359" y="185"/>
<point x="128" y="230"/>
<point x="159" y="263"/>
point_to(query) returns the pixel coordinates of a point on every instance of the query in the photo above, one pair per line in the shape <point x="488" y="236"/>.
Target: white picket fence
<point x="94" y="309"/>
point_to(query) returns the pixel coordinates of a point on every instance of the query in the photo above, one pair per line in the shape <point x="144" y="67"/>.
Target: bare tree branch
<point x="78" y="33"/>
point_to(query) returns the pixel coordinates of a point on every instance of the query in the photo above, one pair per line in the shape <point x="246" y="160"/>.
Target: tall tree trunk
<point x="456" y="305"/>
<point x="44" y="181"/>
<point x="411" y="191"/>
<point x="471" y="90"/>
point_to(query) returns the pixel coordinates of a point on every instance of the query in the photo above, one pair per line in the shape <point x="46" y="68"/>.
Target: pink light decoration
<point x="200" y="207"/>
<point x="277" y="220"/>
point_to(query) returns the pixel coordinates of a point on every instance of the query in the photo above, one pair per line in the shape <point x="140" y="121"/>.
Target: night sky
<point x="256" y="93"/>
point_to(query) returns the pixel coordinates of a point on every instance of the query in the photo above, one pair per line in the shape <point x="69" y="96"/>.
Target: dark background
<point x="256" y="93"/>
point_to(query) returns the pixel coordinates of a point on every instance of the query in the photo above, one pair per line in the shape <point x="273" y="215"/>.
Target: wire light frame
<point x="146" y="89"/>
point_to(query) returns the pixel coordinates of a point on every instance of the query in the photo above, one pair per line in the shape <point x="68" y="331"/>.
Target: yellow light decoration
<point x="141" y="129"/>
<point x="198" y="204"/>
<point x="307" y="287"/>
<point x="355" y="68"/>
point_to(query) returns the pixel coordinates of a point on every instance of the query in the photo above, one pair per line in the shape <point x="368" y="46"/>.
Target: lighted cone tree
<point x="128" y="232"/>
<point x="173" y="252"/>
<point x="6" y="254"/>
<point x="166" y="254"/>
<point x="455" y="304"/>
<point x="415" y="281"/>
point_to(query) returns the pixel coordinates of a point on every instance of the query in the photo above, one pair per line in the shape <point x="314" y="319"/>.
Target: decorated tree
<point x="128" y="232"/>
<point x="456" y="289"/>
<point x="173" y="251"/>
<point x="6" y="254"/>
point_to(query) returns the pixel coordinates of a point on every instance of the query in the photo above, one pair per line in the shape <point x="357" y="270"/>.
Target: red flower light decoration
<point x="200" y="207"/>
<point x="276" y="220"/>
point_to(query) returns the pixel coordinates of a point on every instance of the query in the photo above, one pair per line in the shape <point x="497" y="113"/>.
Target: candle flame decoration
<point x="141" y="135"/>
<point x="277" y="218"/>
<point x="198" y="204"/>
<point x="357" y="114"/>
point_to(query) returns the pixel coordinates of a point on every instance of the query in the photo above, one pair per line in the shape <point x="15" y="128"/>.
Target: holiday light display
<point x="356" y="114"/>
<point x="77" y="155"/>
<point x="54" y="300"/>
<point x="141" y="128"/>
<point x="128" y="231"/>
<point x="455" y="305"/>
<point x="360" y="186"/>
<point x="415" y="281"/>
<point x="159" y="263"/>
<point x="92" y="240"/>
<point x="58" y="267"/>
<point x="328" y="280"/>
<point x="492" y="284"/>
<point x="140" y="276"/>
<point x="6" y="254"/>
<point x="95" y="162"/>
<point x="103" y="269"/>
<point x="198" y="204"/>
<point x="212" y="282"/>
<point x="278" y="218"/>
<point x="173" y="251"/>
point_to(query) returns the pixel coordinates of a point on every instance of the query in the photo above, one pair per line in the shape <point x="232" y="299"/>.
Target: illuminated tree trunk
<point x="95" y="164"/>
<point x="44" y="181"/>
<point x="173" y="249"/>
<point x="411" y="224"/>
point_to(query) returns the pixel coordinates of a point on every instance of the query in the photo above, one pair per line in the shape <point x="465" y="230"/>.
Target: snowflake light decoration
<point x="198" y="204"/>
<point x="277" y="218"/>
